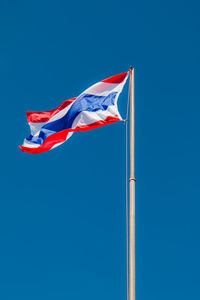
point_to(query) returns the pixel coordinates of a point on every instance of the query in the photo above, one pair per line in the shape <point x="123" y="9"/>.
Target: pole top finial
<point x="131" y="68"/>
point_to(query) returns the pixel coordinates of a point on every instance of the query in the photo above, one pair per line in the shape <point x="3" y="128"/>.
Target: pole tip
<point x="131" y="69"/>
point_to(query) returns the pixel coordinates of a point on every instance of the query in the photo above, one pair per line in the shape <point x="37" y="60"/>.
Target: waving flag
<point x="95" y="107"/>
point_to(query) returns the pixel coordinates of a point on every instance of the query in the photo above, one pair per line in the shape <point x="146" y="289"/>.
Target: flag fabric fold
<point x="95" y="107"/>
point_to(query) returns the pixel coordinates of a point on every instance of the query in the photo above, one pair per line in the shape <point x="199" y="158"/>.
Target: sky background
<point x="62" y="213"/>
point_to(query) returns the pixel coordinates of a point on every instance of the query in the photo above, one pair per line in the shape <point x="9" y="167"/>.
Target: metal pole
<point x="132" y="192"/>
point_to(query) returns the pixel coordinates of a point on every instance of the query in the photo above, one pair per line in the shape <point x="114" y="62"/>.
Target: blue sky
<point x="62" y="213"/>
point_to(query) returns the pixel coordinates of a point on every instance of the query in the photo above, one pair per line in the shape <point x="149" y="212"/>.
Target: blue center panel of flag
<point x="85" y="102"/>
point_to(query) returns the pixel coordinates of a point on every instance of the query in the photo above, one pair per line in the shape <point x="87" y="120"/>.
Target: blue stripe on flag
<point x="85" y="102"/>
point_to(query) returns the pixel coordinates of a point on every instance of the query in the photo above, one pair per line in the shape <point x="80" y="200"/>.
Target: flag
<point x="95" y="107"/>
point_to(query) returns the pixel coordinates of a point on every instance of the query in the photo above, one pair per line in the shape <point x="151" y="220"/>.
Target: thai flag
<point x="95" y="107"/>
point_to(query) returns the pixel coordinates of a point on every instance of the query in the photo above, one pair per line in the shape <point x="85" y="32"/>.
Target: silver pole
<point x="132" y="192"/>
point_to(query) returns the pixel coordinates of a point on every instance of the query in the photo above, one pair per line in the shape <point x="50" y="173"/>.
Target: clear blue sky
<point x="62" y="213"/>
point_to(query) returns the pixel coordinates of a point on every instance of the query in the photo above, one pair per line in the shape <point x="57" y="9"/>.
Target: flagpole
<point x="132" y="192"/>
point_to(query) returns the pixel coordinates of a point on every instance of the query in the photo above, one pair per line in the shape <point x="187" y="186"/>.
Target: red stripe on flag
<point x="116" y="79"/>
<point x="44" y="116"/>
<point x="61" y="136"/>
